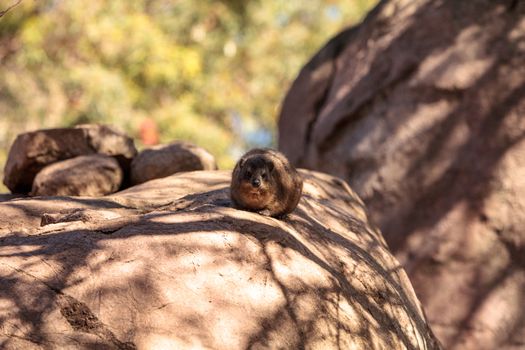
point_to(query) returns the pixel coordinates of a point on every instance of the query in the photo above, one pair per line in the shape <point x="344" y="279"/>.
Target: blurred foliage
<point x="211" y="72"/>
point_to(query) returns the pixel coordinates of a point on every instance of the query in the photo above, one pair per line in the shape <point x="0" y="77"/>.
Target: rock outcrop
<point x="33" y="151"/>
<point x="164" y="160"/>
<point x="92" y="176"/>
<point x="421" y="109"/>
<point x="168" y="264"/>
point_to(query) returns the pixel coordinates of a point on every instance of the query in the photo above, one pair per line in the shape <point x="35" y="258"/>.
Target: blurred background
<point x="211" y="72"/>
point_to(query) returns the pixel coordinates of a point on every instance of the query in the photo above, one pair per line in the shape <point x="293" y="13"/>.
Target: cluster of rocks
<point x="93" y="160"/>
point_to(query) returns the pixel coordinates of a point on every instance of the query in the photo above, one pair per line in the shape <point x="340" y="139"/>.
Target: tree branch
<point x="9" y="8"/>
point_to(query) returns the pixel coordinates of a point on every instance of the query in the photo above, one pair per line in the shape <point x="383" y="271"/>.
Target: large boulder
<point x="421" y="109"/>
<point x="164" y="160"/>
<point x="91" y="176"/>
<point x="32" y="151"/>
<point x="170" y="265"/>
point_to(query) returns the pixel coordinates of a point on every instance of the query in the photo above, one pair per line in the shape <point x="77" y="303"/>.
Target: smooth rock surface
<point x="169" y="265"/>
<point x="89" y="176"/>
<point x="32" y="151"/>
<point x="421" y="109"/>
<point x="164" y="160"/>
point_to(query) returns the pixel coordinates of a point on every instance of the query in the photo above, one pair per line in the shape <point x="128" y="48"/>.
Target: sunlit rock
<point x="164" y="160"/>
<point x="170" y="265"/>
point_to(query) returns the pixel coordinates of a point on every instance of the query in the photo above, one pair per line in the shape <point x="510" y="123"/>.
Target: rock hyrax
<point x="264" y="181"/>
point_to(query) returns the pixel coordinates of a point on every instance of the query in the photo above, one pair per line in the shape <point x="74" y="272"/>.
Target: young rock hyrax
<point x="264" y="181"/>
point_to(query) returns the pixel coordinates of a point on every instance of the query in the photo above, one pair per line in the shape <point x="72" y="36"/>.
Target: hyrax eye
<point x="263" y="175"/>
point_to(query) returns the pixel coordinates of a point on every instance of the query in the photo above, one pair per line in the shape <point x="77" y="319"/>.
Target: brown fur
<point x="279" y="184"/>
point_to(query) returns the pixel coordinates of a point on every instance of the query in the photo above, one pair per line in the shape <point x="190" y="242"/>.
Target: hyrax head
<point x="256" y="173"/>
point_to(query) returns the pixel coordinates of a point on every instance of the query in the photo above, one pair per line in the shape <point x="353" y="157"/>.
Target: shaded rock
<point x="176" y="267"/>
<point x="77" y="214"/>
<point x="8" y="196"/>
<point x="107" y="140"/>
<point x="420" y="109"/>
<point x="164" y="160"/>
<point x="32" y="151"/>
<point x="91" y="176"/>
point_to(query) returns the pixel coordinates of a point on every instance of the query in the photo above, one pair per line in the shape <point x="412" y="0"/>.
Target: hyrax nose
<point x="256" y="182"/>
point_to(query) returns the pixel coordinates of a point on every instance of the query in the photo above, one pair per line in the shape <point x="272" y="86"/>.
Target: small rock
<point x="91" y="176"/>
<point x="33" y="151"/>
<point x="164" y="160"/>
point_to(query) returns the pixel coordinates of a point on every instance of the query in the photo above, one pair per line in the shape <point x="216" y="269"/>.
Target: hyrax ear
<point x="271" y="166"/>
<point x="241" y="162"/>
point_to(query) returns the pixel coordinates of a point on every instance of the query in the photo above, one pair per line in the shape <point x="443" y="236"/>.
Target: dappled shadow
<point x="421" y="112"/>
<point x="302" y="281"/>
